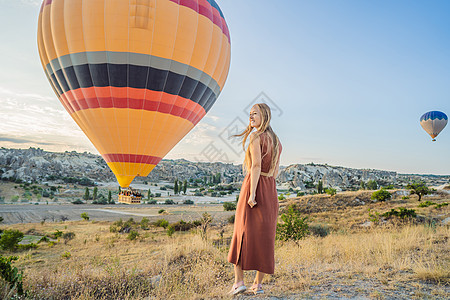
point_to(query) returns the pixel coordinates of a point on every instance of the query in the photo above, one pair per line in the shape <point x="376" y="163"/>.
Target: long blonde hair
<point x="266" y="116"/>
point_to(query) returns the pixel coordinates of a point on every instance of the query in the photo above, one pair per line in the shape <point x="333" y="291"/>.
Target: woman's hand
<point x="251" y="200"/>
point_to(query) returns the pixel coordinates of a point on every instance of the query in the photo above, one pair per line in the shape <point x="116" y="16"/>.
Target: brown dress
<point x="253" y="242"/>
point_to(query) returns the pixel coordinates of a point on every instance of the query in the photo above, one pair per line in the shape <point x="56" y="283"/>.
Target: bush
<point x="281" y="197"/>
<point x="152" y="201"/>
<point x="145" y="223"/>
<point x="188" y="202"/>
<point x="121" y="226"/>
<point x="372" y="185"/>
<point x="85" y="216"/>
<point x="229" y="206"/>
<point x="401" y="213"/>
<point x="161" y="223"/>
<point x="319" y="230"/>
<point x="27" y="246"/>
<point x="182" y="226"/>
<point x="170" y="230"/>
<point x="330" y="191"/>
<point x="438" y="206"/>
<point x="426" y="204"/>
<point x="231" y="219"/>
<point x="381" y="195"/>
<point x="10" y="239"/>
<point x="68" y="236"/>
<point x="133" y="235"/>
<point x="169" y="202"/>
<point x="161" y="211"/>
<point x="78" y="201"/>
<point x="299" y="194"/>
<point x="294" y="227"/>
<point x="11" y="274"/>
<point x="157" y="195"/>
<point x="57" y="234"/>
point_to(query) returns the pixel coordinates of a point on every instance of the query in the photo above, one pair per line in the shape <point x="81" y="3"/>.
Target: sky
<point x="347" y="82"/>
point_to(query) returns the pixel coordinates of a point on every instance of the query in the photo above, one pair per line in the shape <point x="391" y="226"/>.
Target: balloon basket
<point x="433" y="140"/>
<point x="130" y="196"/>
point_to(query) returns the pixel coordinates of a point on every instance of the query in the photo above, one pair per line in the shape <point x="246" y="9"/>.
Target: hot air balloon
<point x="433" y="122"/>
<point x="135" y="75"/>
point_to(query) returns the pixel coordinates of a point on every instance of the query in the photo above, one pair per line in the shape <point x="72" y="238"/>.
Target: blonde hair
<point x="266" y="116"/>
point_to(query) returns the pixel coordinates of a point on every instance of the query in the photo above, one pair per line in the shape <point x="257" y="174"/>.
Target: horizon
<point x="345" y="88"/>
<point x="235" y="164"/>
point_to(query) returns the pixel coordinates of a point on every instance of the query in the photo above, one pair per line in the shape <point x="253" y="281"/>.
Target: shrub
<point x="438" y="206"/>
<point x="161" y="223"/>
<point x="57" y="234"/>
<point x="281" y="197"/>
<point x="152" y="201"/>
<point x="381" y="195"/>
<point x="229" y="206"/>
<point x="188" y="202"/>
<point x="66" y="255"/>
<point x="182" y="226"/>
<point x="319" y="230"/>
<point x="170" y="230"/>
<point x="121" y="226"/>
<point x="145" y="223"/>
<point x="157" y="195"/>
<point x="294" y="227"/>
<point x="426" y="204"/>
<point x="169" y="202"/>
<point x="68" y="236"/>
<point x="43" y="239"/>
<point x="405" y="198"/>
<point x="299" y="194"/>
<point x="330" y="191"/>
<point x="11" y="274"/>
<point x="372" y="185"/>
<point x="85" y="216"/>
<point x="161" y="211"/>
<point x="78" y="201"/>
<point x="133" y="235"/>
<point x="401" y="213"/>
<point x="27" y="246"/>
<point x="10" y="239"/>
<point x="231" y="219"/>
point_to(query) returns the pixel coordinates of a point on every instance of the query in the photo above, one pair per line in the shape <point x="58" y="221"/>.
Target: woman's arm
<point x="255" y="171"/>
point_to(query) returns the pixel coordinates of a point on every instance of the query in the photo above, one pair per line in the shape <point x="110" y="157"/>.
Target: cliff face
<point x="298" y="175"/>
<point x="37" y="165"/>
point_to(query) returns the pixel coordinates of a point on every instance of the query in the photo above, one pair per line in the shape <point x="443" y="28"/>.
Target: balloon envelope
<point x="433" y="122"/>
<point x="135" y="75"/>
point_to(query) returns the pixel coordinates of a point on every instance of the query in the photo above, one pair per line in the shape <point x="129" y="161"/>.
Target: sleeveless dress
<point x="253" y="242"/>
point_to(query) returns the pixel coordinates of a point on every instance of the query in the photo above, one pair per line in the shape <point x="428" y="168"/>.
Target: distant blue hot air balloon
<point x="433" y="122"/>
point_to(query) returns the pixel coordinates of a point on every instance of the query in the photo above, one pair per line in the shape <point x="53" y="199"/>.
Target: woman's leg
<point x="259" y="277"/>
<point x="238" y="274"/>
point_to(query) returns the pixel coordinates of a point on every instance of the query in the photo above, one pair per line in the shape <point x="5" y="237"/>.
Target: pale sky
<point x="349" y="81"/>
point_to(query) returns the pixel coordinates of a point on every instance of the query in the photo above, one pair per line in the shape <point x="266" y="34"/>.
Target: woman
<point x="253" y="242"/>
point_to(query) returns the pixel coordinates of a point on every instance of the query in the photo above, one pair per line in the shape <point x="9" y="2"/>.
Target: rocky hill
<point x="39" y="165"/>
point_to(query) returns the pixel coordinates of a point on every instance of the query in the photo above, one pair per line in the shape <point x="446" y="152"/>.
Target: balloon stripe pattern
<point x="135" y="75"/>
<point x="433" y="122"/>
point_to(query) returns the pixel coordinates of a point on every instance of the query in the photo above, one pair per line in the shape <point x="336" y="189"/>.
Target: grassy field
<point x="391" y="260"/>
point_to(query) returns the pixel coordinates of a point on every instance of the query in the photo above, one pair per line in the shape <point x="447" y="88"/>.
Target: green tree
<point x="372" y="185"/>
<point x="10" y="239"/>
<point x="175" y="187"/>
<point x="109" y="197"/>
<point x="86" y="194"/>
<point x="381" y="195"/>
<point x="320" y="187"/>
<point x="94" y="193"/>
<point x="362" y="185"/>
<point x="419" y="189"/>
<point x="149" y="194"/>
<point x="184" y="186"/>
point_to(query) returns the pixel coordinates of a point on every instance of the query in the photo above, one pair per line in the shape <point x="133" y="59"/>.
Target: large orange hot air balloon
<point x="135" y="75"/>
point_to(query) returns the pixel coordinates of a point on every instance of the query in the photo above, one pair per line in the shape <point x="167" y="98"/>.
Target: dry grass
<point x="375" y="262"/>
